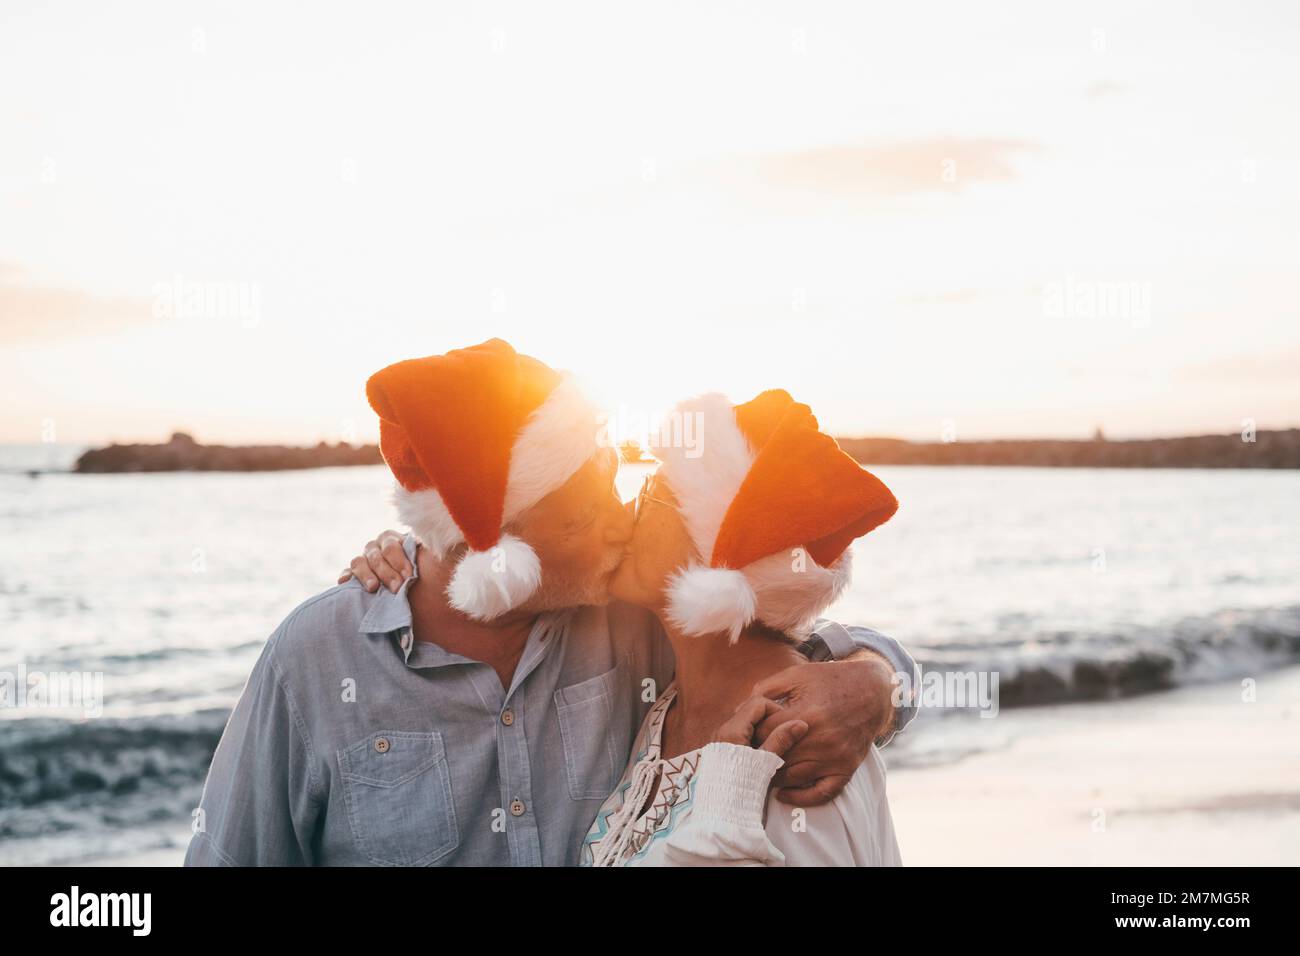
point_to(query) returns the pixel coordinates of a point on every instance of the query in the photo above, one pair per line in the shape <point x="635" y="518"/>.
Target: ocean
<point x="1071" y="584"/>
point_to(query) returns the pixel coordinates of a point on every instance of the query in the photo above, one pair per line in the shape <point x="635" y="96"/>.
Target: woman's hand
<point x="383" y="559"/>
<point x="740" y="728"/>
<point x="847" y="704"/>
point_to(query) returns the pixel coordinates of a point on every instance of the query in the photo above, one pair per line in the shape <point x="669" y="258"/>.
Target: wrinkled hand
<point x="846" y="705"/>
<point x="740" y="728"/>
<point x="383" y="559"/>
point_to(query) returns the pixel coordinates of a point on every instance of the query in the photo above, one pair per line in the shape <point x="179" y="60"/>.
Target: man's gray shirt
<point x="353" y="744"/>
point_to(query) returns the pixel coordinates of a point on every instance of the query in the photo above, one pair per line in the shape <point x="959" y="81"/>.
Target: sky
<point x="925" y="220"/>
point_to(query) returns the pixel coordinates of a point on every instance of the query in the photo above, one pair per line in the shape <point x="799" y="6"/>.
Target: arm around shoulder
<point x="834" y="641"/>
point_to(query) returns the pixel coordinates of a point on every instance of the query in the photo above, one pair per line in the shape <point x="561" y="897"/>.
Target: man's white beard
<point x="554" y="595"/>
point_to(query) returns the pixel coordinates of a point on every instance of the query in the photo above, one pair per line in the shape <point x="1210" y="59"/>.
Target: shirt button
<point x="508" y="717"/>
<point x="517" y="807"/>
<point x="382" y="745"/>
<point x="406" y="639"/>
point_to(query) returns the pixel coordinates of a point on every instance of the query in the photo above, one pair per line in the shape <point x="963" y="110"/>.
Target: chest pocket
<point x="398" y="792"/>
<point x="596" y="727"/>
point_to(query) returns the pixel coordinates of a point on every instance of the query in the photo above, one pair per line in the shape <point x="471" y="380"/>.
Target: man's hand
<point x="744" y="722"/>
<point x="846" y="705"/>
<point x="383" y="559"/>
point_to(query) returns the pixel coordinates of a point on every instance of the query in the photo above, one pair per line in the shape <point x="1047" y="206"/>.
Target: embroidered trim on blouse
<point x="620" y="832"/>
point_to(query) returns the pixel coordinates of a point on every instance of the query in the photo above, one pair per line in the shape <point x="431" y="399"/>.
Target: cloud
<point x="34" y="311"/>
<point x="897" y="169"/>
<point x="1279" y="366"/>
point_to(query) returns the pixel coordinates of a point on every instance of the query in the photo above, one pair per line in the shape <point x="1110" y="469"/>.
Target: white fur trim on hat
<point x="777" y="591"/>
<point x="706" y="477"/>
<point x="425" y="513"/>
<point x="793" y="593"/>
<point x="487" y="584"/>
<point x="784" y="591"/>
<point x="703" y="601"/>
<point x="557" y="439"/>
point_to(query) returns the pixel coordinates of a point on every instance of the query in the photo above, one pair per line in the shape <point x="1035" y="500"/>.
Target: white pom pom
<point x="704" y="601"/>
<point x="487" y="584"/>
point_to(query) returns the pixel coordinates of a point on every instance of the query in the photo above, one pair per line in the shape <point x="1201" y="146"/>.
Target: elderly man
<point x="480" y="712"/>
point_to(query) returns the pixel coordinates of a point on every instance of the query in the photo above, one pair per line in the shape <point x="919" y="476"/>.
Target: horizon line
<point x="1102" y="437"/>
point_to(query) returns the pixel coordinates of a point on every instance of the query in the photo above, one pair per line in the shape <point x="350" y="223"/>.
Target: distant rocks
<point x="183" y="453"/>
<point x="1270" y="449"/>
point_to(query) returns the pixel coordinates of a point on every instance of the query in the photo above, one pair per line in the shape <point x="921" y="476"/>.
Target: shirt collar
<point x="390" y="613"/>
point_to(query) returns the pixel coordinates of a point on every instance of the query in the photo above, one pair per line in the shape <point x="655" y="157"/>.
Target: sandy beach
<point x="1195" y="776"/>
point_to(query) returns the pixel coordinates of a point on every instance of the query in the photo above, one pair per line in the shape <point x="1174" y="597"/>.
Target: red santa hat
<point x="771" y="504"/>
<point x="475" y="438"/>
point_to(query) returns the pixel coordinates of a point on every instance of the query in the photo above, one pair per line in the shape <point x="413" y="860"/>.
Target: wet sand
<point x="1195" y="776"/>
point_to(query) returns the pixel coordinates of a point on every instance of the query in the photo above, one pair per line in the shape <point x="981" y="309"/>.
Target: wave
<point x="59" y="775"/>
<point x="1066" y="667"/>
<point x="62" y="779"/>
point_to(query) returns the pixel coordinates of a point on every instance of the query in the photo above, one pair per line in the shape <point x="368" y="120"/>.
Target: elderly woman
<point x="738" y="547"/>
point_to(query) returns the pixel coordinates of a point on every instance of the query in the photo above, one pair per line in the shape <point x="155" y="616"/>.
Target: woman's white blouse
<point x="711" y="807"/>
